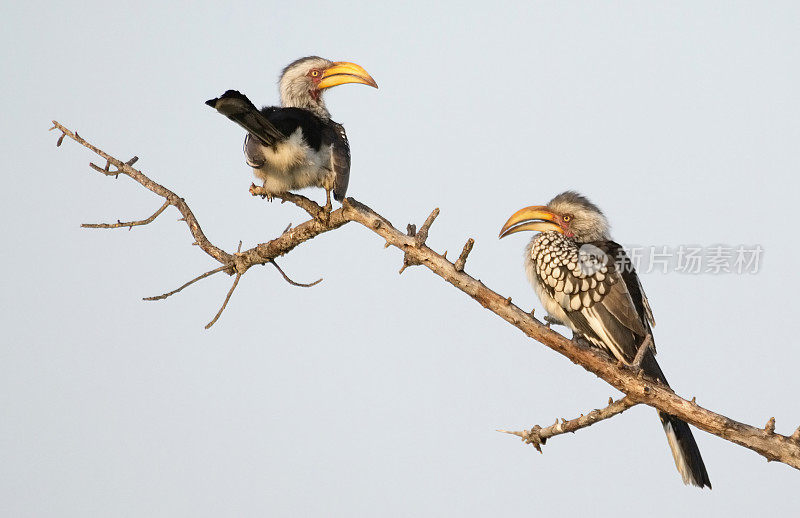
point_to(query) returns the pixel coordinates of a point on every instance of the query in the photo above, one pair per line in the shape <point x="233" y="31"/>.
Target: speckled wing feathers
<point x="589" y="282"/>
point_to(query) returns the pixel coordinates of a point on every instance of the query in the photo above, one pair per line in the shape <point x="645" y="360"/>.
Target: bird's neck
<point x="306" y="100"/>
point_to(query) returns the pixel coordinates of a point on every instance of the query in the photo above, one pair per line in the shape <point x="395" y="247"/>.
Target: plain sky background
<point x="373" y="394"/>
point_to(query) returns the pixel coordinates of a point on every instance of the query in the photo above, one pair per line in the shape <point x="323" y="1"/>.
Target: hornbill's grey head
<point x="303" y="81"/>
<point x="569" y="213"/>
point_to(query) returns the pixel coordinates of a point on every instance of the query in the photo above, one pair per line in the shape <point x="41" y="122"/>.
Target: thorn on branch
<point x="132" y="160"/>
<point x="796" y="435"/>
<point x="462" y="259"/>
<point x="199" y="277"/>
<point x="770" y="427"/>
<point x="129" y="224"/>
<point x="290" y="281"/>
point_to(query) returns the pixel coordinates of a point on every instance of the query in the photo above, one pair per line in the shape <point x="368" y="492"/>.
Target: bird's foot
<point x="579" y="339"/>
<point x="259" y="191"/>
<point x="550" y="321"/>
<point x="646" y="344"/>
<point x="328" y="205"/>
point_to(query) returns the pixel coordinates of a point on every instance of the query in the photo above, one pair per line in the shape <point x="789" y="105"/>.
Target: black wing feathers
<point x="287" y="120"/>
<point x="340" y="159"/>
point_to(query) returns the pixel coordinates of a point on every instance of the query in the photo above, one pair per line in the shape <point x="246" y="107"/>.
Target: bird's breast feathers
<point x="292" y="152"/>
<point x="291" y="164"/>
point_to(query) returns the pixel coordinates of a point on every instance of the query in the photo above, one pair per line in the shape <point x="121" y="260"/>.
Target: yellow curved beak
<point x="342" y="72"/>
<point x="537" y="218"/>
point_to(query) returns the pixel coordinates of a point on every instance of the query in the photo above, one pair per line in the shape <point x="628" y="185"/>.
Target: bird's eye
<point x="315" y="73"/>
<point x="567" y="218"/>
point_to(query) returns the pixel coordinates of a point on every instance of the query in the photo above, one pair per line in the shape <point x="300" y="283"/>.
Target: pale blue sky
<point x="373" y="394"/>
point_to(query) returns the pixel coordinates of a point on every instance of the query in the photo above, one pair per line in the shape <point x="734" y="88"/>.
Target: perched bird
<point x="586" y="282"/>
<point x="297" y="144"/>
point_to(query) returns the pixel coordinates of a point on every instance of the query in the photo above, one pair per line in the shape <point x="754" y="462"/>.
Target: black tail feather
<point x="681" y="440"/>
<point x="685" y="451"/>
<point x="238" y="108"/>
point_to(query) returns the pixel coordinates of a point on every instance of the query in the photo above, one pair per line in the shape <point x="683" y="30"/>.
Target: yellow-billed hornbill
<point x="587" y="283"/>
<point x="297" y="145"/>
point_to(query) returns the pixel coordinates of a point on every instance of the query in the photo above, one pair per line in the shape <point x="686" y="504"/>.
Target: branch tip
<point x="225" y="303"/>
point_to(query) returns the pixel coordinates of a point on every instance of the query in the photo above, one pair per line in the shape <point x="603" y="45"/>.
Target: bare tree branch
<point x="198" y="278"/>
<point x="538" y="435"/>
<point x="638" y="390"/>
<point x="290" y="281"/>
<point x="129" y="224"/>
<point x="225" y="304"/>
<point x="160" y="190"/>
